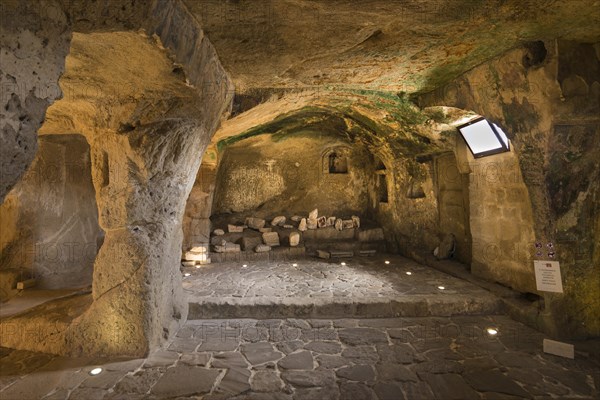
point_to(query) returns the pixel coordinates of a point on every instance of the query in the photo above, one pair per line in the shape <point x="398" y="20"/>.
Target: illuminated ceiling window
<point x="484" y="138"/>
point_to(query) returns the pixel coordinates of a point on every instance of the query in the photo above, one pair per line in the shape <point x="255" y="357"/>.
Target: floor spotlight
<point x="408" y="273"/>
<point x="245" y="266"/>
<point x="492" y="331"/>
<point x="96" y="371"/>
<point x="294" y="265"/>
<point x="441" y="287"/>
<point x="187" y="274"/>
<point x="343" y="263"/>
<point x="484" y="138"/>
<point x="387" y="262"/>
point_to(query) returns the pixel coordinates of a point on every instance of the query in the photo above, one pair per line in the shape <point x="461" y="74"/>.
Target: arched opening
<point x="338" y="164"/>
<point x="144" y="127"/>
<point x="50" y="232"/>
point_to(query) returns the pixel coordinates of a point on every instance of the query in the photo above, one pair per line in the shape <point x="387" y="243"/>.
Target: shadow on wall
<point x="49" y="220"/>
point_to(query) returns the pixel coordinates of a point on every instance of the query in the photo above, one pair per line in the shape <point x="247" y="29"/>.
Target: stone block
<point x="341" y="254"/>
<point x="255" y="223"/>
<point x="322" y="222"/>
<point x="271" y="238"/>
<point x="250" y="242"/>
<point x="228" y="248"/>
<point x="303" y="226"/>
<point x="195" y="256"/>
<point x="278" y="221"/>
<point x="217" y="241"/>
<point x="312" y="223"/>
<point x="356" y="221"/>
<point x="218" y="232"/>
<point x="294" y="239"/>
<point x="265" y="230"/>
<point x="261" y="248"/>
<point x="323" y="254"/>
<point x="199" y="248"/>
<point x="235" y="228"/>
<point x="339" y="224"/>
<point x="314" y="214"/>
<point x="347" y="224"/>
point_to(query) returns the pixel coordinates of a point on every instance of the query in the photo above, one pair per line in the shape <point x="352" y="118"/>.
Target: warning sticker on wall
<point x="547" y="276"/>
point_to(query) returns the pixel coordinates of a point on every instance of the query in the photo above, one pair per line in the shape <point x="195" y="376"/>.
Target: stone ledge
<point x="411" y="306"/>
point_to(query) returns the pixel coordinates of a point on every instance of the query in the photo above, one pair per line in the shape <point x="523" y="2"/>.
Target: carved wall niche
<point x="335" y="160"/>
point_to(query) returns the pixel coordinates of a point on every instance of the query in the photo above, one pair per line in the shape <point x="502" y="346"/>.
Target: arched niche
<point x="335" y="160"/>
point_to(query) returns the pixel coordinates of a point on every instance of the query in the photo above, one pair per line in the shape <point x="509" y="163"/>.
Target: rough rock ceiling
<point x="398" y="45"/>
<point x="115" y="81"/>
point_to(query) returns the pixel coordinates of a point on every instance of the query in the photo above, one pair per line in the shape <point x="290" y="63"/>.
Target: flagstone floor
<point x="394" y="358"/>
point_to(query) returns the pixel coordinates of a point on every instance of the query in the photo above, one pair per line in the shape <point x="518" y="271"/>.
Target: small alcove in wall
<point x="335" y="160"/>
<point x="382" y="186"/>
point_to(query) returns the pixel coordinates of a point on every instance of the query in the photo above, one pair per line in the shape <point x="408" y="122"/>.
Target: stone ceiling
<point x="401" y="45"/>
<point x="116" y="81"/>
<point x="336" y="64"/>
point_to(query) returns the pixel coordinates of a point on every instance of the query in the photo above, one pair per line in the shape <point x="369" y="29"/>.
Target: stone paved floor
<point x="314" y="286"/>
<point x="397" y="358"/>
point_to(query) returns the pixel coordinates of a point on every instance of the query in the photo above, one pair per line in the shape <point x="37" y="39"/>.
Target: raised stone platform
<point x="309" y="288"/>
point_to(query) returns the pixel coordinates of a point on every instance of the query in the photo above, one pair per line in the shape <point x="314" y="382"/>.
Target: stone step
<point x="351" y="245"/>
<point x="410" y="306"/>
<point x="341" y="254"/>
<point x="275" y="254"/>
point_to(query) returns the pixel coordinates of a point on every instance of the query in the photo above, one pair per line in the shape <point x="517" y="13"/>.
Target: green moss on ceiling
<point x="373" y="118"/>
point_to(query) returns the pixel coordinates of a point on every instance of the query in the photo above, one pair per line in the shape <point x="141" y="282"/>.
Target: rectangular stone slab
<point x="271" y="238"/>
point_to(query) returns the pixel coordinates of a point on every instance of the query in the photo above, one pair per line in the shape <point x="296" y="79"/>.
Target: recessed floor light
<point x="492" y="331"/>
<point x="245" y="266"/>
<point x="187" y="274"/>
<point x="294" y="265"/>
<point x="198" y="266"/>
<point x="96" y="371"/>
<point x="387" y="262"/>
<point x="408" y="273"/>
<point x="441" y="287"/>
<point x="343" y="263"/>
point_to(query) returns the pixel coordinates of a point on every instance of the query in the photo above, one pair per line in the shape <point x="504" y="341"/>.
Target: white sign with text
<point x="547" y="276"/>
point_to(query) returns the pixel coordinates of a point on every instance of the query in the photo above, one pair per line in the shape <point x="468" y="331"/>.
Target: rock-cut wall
<point x="547" y="97"/>
<point x="145" y="153"/>
<point x="49" y="219"/>
<point x="34" y="41"/>
<point x="266" y="176"/>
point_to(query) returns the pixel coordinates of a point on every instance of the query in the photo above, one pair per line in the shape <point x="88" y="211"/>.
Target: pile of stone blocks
<point x="258" y="239"/>
<point x="282" y="237"/>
